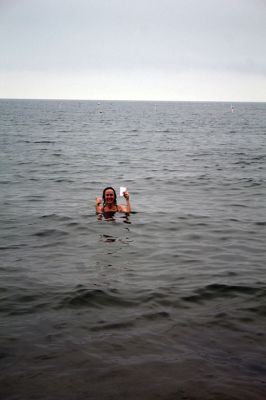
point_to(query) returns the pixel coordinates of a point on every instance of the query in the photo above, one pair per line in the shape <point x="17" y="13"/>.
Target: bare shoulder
<point x="122" y="208"/>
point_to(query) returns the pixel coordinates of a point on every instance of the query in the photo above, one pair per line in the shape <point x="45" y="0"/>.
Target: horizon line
<point x="134" y="100"/>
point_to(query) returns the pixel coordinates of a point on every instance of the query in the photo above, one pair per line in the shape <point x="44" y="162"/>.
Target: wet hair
<point x="105" y="191"/>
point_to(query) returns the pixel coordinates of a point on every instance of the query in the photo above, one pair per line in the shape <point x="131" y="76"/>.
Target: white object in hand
<point x="122" y="190"/>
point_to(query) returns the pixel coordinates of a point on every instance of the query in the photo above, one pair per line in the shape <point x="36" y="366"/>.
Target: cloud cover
<point x="171" y="50"/>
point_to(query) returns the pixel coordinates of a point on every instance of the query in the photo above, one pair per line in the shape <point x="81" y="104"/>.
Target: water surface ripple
<point x="169" y="303"/>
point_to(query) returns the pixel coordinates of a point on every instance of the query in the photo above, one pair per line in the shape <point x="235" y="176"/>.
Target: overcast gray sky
<point x="133" y="49"/>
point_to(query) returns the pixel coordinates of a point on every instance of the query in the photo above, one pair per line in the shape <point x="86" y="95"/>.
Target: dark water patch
<point x="24" y="141"/>
<point x="231" y="273"/>
<point x="193" y="236"/>
<point x="155" y="316"/>
<point x="260" y="309"/>
<point x="56" y="217"/>
<point x="165" y="297"/>
<point x="255" y="184"/>
<point x="24" y="301"/>
<point x="36" y="198"/>
<point x="257" y="368"/>
<point x="49" y="245"/>
<point x="109" y="238"/>
<point x="239" y="205"/>
<point x="44" y="357"/>
<point x="6" y="182"/>
<point x="44" y="142"/>
<point x="63" y="180"/>
<point x="13" y="246"/>
<point x="233" y="220"/>
<point x="51" y="164"/>
<point x="214" y="291"/>
<point x="51" y="233"/>
<point x="4" y="354"/>
<point x="166" y="150"/>
<point x="242" y="163"/>
<point x="112" y="326"/>
<point x="73" y="224"/>
<point x="84" y="297"/>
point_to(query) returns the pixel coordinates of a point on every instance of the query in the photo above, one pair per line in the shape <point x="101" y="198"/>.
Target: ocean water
<point x="168" y="303"/>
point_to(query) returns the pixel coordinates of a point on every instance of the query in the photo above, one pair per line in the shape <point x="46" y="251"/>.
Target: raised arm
<point x="126" y="208"/>
<point x="98" y="206"/>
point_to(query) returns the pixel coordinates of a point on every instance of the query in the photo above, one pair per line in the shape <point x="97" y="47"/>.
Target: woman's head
<point x="109" y="195"/>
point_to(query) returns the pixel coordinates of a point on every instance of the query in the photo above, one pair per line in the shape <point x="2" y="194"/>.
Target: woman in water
<point x="110" y="205"/>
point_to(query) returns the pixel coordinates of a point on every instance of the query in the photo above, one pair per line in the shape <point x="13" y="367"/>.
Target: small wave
<point x="73" y="224"/>
<point x="260" y="309"/>
<point x="23" y="301"/>
<point x="55" y="233"/>
<point x="216" y="290"/>
<point x="166" y="150"/>
<point x="24" y="141"/>
<point x="44" y="142"/>
<point x="82" y="296"/>
<point x="239" y="205"/>
<point x="46" y="123"/>
<point x="13" y="246"/>
<point x="107" y="326"/>
<point x="260" y="157"/>
<point x="152" y="316"/>
<point x="64" y="180"/>
<point x="35" y="198"/>
<point x="56" y="217"/>
<point x="242" y="163"/>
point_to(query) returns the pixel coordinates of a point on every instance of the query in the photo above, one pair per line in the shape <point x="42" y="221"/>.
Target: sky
<point x="180" y="50"/>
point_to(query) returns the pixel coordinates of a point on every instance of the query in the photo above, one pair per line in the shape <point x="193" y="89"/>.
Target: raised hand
<point x="126" y="195"/>
<point x="98" y="201"/>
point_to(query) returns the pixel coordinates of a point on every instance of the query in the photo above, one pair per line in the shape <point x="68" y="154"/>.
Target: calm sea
<point x="169" y="303"/>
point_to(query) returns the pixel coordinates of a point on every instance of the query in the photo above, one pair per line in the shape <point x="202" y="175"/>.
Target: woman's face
<point x="109" y="196"/>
